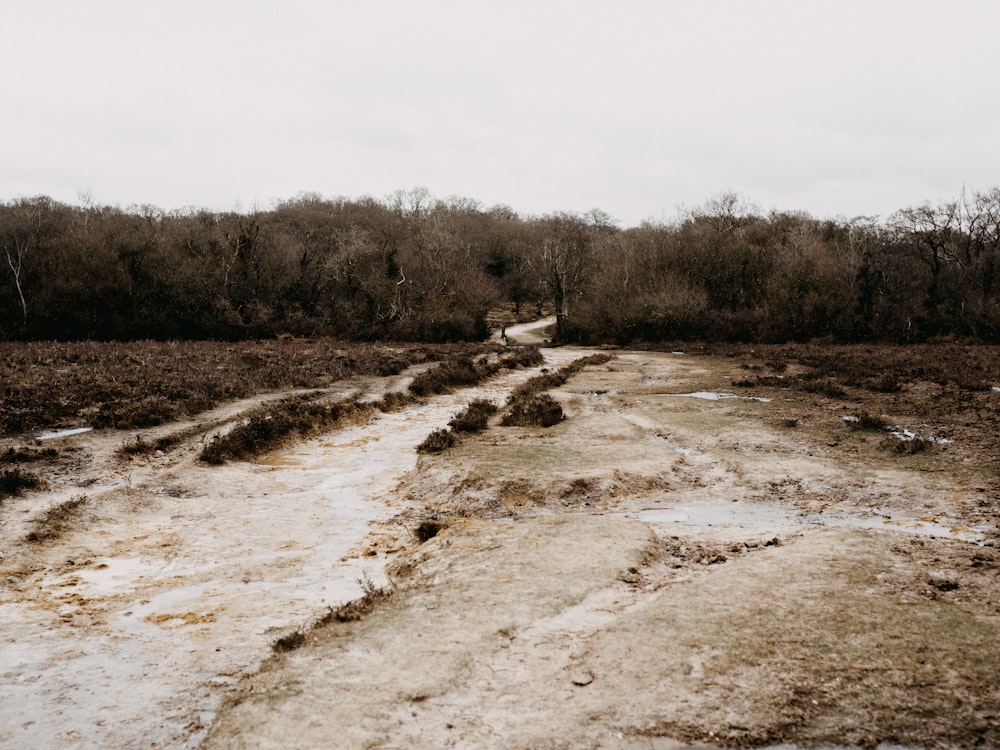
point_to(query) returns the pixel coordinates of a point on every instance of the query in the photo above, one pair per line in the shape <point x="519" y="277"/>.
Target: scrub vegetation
<point x="303" y="415"/>
<point x="860" y="360"/>
<point x="413" y="267"/>
<point x="15" y="482"/>
<point x="146" y="383"/>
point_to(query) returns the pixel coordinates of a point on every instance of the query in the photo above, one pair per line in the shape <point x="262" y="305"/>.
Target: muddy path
<point x="661" y="570"/>
<point x="666" y="567"/>
<point x="154" y="585"/>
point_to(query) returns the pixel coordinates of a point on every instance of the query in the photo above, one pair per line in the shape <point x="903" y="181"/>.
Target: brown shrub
<point x="437" y="441"/>
<point x="15" y="482"/>
<point x="540" y="410"/>
<point x="474" y="417"/>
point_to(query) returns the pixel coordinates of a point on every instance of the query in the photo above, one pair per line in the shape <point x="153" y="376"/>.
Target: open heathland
<point x="48" y="385"/>
<point x="722" y="548"/>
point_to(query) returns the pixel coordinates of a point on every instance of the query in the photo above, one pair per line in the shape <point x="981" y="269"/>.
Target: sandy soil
<point x="660" y="570"/>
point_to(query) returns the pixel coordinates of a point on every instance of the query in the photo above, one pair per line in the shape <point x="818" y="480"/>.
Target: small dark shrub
<point x="27" y="455"/>
<point x="428" y="530"/>
<point x="394" y="401"/>
<point x="136" y="447"/>
<point x="54" y="521"/>
<point x="437" y="441"/>
<point x="540" y="410"/>
<point x="474" y="417"/>
<point x="943" y="584"/>
<point x="888" y="383"/>
<point x="15" y="482"/>
<point x="289" y="642"/>
<point x="450" y="374"/>
<point x="868" y="423"/>
<point x="522" y="356"/>
<point x="776" y="365"/>
<point x="358" y="608"/>
<point x="824" y="387"/>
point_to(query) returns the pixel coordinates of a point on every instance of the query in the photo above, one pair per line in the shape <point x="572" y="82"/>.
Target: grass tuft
<point x="14" y="482"/>
<point x="437" y="442"/>
<point x="54" y="521"/>
<point x="539" y="410"/>
<point x="475" y="416"/>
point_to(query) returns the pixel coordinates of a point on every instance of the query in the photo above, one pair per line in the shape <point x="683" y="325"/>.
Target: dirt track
<point x="659" y="569"/>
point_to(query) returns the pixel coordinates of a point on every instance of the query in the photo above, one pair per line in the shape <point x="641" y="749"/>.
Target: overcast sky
<point x="636" y="107"/>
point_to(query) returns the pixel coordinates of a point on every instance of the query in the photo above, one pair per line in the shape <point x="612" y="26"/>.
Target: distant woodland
<point x="413" y="267"/>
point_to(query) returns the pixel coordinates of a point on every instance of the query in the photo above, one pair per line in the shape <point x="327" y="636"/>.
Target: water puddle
<point x="719" y="396"/>
<point x="55" y="434"/>
<point x="706" y="395"/>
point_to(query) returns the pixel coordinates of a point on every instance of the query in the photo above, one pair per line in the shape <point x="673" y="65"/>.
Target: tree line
<point x="414" y="267"/>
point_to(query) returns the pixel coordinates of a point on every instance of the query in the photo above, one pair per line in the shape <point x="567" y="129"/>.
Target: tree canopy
<point x="414" y="267"/>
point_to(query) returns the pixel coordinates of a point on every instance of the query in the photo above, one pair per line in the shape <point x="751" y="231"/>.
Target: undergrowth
<point x="146" y="383"/>
<point x="530" y="406"/>
<point x="54" y="521"/>
<point x="537" y="410"/>
<point x="270" y="426"/>
<point x="14" y="482"/>
<point x="27" y="455"/>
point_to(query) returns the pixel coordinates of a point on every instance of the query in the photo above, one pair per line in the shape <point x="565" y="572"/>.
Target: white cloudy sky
<point x="637" y="107"/>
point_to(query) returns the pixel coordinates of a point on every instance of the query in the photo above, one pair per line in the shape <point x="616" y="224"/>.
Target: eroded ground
<point x="662" y="570"/>
<point x="659" y="570"/>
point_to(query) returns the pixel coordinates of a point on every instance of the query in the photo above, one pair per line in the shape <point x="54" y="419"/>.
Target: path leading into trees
<point x="740" y="581"/>
<point x="535" y="332"/>
<point x="171" y="579"/>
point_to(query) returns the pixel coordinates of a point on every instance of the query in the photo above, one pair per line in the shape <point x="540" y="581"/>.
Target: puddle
<point x="706" y="395"/>
<point x="54" y="434"/>
<point x="716" y="396"/>
<point x="768" y="518"/>
<point x="907" y="435"/>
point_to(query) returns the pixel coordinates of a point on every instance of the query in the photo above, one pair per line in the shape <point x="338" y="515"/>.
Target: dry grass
<point x="372" y="596"/>
<point x="15" y="482"/>
<point x="529" y="405"/>
<point x="474" y="417"/>
<point x="27" y="455"/>
<point x="538" y="410"/>
<point x="943" y="391"/>
<point x="272" y="425"/>
<point x="53" y="522"/>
